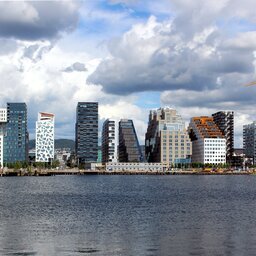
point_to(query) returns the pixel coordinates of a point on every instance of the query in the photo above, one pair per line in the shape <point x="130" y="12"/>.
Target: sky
<point x="130" y="56"/>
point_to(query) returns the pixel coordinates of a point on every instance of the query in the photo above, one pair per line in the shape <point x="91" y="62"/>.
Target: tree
<point x="17" y="165"/>
<point x="55" y="163"/>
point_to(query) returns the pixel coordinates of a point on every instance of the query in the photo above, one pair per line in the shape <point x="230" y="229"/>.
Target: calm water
<point x="128" y="215"/>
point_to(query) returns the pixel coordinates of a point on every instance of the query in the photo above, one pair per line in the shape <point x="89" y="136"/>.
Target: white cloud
<point x="197" y="57"/>
<point x="20" y="12"/>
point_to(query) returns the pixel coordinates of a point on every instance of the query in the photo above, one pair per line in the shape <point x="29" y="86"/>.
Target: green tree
<point x="17" y="165"/>
<point x="55" y="163"/>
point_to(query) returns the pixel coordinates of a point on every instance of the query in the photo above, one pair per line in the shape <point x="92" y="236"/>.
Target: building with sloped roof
<point x="208" y="142"/>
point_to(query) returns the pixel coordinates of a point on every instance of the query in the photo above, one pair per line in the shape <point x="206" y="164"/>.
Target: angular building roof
<point x="206" y="127"/>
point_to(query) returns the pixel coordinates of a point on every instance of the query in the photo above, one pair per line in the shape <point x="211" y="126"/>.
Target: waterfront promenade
<point x="47" y="172"/>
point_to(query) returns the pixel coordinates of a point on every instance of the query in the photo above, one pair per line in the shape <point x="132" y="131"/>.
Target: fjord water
<point x="128" y="215"/>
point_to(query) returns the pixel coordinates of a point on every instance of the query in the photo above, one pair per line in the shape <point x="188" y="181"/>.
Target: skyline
<point x="130" y="56"/>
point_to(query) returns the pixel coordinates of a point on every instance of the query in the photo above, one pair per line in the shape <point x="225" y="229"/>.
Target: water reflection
<point x="127" y="215"/>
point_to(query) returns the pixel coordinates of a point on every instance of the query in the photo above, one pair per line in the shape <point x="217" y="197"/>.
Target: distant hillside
<point x="59" y="143"/>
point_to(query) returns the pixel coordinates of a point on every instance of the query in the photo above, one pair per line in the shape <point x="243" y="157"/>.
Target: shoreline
<point x="20" y="173"/>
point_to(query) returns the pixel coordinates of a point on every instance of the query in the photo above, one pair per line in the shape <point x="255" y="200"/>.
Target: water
<point x="128" y="215"/>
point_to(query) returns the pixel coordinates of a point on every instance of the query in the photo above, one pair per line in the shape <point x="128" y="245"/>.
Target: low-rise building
<point x="140" y="167"/>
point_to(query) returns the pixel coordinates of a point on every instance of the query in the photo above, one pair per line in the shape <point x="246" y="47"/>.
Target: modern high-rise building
<point x="249" y="141"/>
<point x="129" y="148"/>
<point x="3" y="120"/>
<point x="167" y="139"/>
<point x="225" y="121"/>
<point x="16" y="134"/>
<point x="109" y="141"/>
<point x="45" y="137"/>
<point x="87" y="132"/>
<point x="208" y="142"/>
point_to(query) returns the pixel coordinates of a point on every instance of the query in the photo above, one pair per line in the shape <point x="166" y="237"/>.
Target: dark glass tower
<point x="249" y="141"/>
<point x="16" y="135"/>
<point x="129" y="149"/>
<point x="225" y="122"/>
<point x="87" y="132"/>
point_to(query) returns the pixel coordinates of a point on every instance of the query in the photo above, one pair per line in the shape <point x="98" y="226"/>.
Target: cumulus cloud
<point x="187" y="52"/>
<point x="77" y="66"/>
<point x="200" y="59"/>
<point x="7" y="46"/>
<point x="33" y="20"/>
<point x="151" y="57"/>
<point x="199" y="54"/>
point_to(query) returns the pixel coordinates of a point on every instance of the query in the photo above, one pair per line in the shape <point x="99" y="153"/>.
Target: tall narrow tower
<point x="249" y="140"/>
<point x="3" y="120"/>
<point x="87" y="132"/>
<point x="225" y="122"/>
<point x="109" y="141"/>
<point x="45" y="137"/>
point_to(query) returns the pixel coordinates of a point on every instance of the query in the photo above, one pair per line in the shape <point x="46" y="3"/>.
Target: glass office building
<point x="87" y="132"/>
<point x="129" y="149"/>
<point x="16" y="134"/>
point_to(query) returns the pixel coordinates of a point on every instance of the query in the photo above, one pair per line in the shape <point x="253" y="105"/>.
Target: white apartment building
<point x="208" y="142"/>
<point x="3" y="120"/>
<point x="109" y="142"/>
<point x="45" y="137"/>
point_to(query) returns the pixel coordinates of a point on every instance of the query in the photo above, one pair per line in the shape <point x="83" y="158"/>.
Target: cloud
<point x="153" y="56"/>
<point x="77" y="66"/>
<point x="197" y="54"/>
<point x="37" y="20"/>
<point x="201" y="42"/>
<point x="7" y="46"/>
<point x="44" y="87"/>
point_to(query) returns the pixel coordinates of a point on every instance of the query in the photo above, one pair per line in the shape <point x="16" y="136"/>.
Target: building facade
<point x="249" y="141"/>
<point x="167" y="140"/>
<point x="109" y="141"/>
<point x="133" y="167"/>
<point x="16" y="134"/>
<point x="3" y="120"/>
<point x="129" y="148"/>
<point x="45" y="137"/>
<point x="225" y="122"/>
<point x="208" y="142"/>
<point x="87" y="132"/>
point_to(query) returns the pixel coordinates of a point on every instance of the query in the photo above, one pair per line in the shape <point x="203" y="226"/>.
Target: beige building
<point x="167" y="140"/>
